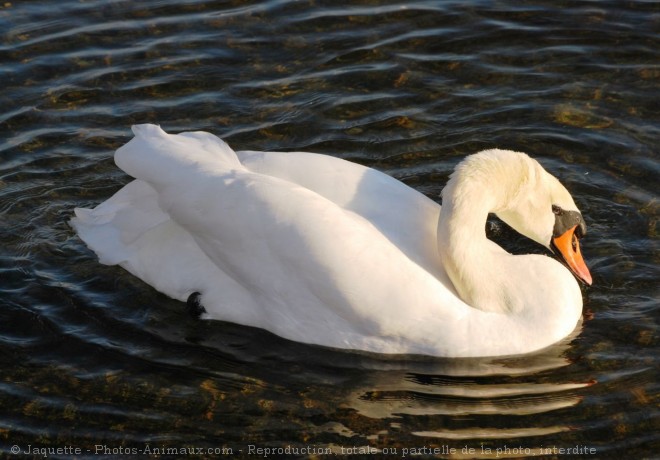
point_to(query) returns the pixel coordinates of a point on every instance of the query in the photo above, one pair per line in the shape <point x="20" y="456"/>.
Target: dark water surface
<point x="91" y="356"/>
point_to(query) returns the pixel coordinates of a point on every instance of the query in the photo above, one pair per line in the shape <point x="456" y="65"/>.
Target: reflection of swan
<point x="490" y="396"/>
<point x="320" y="250"/>
<point x="455" y="396"/>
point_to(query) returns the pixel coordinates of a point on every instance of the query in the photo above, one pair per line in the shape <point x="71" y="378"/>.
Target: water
<point x="95" y="360"/>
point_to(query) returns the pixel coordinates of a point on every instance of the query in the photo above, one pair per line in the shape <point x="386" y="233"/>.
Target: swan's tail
<point x="114" y="226"/>
<point x="135" y="229"/>
<point x="131" y="230"/>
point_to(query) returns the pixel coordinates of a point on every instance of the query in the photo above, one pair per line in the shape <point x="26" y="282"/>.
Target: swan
<point x="323" y="251"/>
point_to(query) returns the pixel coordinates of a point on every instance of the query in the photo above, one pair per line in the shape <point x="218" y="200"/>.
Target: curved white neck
<point x="472" y="262"/>
<point x="462" y="245"/>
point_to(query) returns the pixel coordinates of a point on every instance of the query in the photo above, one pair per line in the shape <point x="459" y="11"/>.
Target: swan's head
<point x="524" y="195"/>
<point x="538" y="206"/>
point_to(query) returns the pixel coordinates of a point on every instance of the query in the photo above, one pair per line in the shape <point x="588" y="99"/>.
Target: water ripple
<point x="90" y="354"/>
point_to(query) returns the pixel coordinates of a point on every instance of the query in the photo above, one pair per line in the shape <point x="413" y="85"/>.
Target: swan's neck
<point x="473" y="263"/>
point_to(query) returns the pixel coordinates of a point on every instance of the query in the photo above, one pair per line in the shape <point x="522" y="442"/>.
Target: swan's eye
<point x="565" y="220"/>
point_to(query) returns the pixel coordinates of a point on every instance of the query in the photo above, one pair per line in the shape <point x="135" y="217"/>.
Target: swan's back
<point x="408" y="218"/>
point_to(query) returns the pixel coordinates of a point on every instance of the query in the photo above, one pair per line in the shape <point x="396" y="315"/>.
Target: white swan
<point x="320" y="250"/>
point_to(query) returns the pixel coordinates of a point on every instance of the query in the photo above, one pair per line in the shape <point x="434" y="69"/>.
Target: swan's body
<point x="324" y="251"/>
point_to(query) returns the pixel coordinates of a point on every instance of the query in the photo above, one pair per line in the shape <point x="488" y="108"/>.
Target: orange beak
<point x="568" y="246"/>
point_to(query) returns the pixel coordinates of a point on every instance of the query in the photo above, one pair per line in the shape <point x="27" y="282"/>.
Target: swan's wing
<point x="403" y="215"/>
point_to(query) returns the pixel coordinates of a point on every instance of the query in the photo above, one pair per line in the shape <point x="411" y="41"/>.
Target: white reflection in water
<point x="460" y="387"/>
